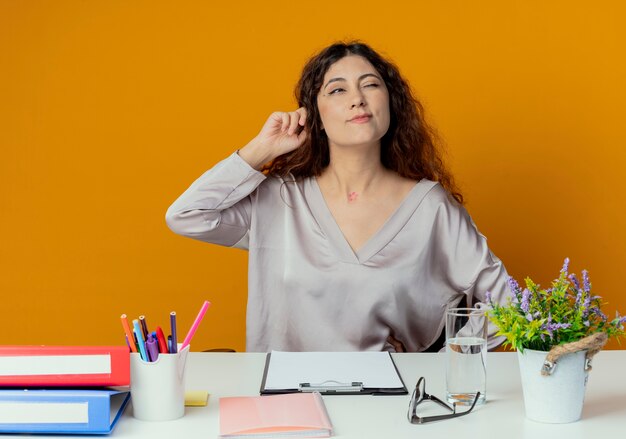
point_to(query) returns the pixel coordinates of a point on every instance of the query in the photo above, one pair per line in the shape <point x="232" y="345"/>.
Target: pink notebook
<point x="289" y="415"/>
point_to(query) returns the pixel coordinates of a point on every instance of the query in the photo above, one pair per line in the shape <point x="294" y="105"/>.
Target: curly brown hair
<point x="409" y="147"/>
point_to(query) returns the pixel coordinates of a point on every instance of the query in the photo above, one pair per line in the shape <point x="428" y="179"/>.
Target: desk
<point x="366" y="416"/>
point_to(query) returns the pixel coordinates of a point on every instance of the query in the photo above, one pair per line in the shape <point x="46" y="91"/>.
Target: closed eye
<point x="336" y="90"/>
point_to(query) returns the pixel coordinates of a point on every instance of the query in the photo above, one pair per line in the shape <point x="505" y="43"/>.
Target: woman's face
<point x="353" y="103"/>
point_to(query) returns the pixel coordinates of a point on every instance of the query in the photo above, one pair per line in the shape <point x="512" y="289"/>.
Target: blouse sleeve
<point x="468" y="263"/>
<point x="216" y="207"/>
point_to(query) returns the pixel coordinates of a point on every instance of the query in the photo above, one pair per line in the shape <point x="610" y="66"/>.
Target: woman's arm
<point x="471" y="267"/>
<point x="216" y="208"/>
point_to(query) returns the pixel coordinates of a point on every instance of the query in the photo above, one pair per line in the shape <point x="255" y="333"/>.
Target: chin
<point x="358" y="139"/>
<point x="355" y="143"/>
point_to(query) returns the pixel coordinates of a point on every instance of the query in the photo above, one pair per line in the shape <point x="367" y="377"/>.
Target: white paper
<point x="12" y="412"/>
<point x="24" y="365"/>
<point x="287" y="370"/>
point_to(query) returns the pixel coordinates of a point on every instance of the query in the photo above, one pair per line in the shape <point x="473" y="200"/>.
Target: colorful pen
<point x="174" y="346"/>
<point x="196" y="323"/>
<point x="161" y="339"/>
<point x="144" y="327"/>
<point x="129" y="333"/>
<point x="140" y="341"/>
<point x="152" y="347"/>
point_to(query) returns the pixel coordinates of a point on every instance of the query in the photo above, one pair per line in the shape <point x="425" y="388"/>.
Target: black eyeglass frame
<point x="416" y="400"/>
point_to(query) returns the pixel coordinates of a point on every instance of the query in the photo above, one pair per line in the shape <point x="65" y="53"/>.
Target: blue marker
<point x="140" y="341"/>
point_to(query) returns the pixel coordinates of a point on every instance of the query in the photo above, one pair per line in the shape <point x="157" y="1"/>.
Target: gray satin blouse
<point x="309" y="291"/>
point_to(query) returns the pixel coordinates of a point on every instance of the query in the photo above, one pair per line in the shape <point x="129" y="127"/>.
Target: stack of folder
<point x="62" y="389"/>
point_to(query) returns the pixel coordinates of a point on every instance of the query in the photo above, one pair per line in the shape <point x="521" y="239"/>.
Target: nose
<point x="357" y="100"/>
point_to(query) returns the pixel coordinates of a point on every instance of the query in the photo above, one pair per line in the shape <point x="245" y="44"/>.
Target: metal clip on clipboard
<point x="331" y="386"/>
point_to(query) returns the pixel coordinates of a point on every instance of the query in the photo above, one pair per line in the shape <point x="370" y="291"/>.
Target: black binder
<point x="303" y="376"/>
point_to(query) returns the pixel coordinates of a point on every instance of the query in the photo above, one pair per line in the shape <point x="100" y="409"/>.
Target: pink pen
<point x="196" y="323"/>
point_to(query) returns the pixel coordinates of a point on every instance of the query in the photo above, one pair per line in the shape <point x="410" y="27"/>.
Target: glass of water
<point x="466" y="355"/>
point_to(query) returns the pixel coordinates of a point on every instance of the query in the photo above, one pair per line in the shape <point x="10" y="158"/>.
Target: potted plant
<point x="555" y="331"/>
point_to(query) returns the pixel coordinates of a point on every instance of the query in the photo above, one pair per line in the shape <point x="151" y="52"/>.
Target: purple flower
<point x="579" y="299"/>
<point x="586" y="283"/>
<point x="514" y="287"/>
<point x="555" y="326"/>
<point x="551" y="327"/>
<point x="595" y="310"/>
<point x="488" y="297"/>
<point x="565" y="267"/>
<point x="572" y="277"/>
<point x="583" y="301"/>
<point x="525" y="305"/>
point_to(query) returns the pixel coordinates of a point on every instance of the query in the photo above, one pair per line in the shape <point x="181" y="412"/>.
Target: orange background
<point x="110" y="109"/>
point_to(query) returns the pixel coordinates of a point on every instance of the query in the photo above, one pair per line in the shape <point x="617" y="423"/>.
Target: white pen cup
<point x="466" y="355"/>
<point x="158" y="388"/>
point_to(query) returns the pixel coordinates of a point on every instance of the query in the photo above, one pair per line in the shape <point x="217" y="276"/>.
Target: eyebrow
<point x="363" y="76"/>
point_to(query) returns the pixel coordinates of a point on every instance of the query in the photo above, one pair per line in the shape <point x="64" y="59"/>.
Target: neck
<point x="353" y="171"/>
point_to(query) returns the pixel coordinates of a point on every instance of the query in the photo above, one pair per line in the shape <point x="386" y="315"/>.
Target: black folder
<point x="336" y="373"/>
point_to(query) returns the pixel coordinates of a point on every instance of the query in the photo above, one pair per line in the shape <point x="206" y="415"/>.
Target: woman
<point x="356" y="234"/>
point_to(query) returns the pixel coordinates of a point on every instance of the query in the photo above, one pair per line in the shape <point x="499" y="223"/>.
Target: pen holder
<point x="157" y="388"/>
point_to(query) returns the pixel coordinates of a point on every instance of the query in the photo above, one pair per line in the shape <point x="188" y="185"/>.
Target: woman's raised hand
<point x="282" y="133"/>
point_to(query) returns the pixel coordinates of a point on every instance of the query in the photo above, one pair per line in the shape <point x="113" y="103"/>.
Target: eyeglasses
<point x="419" y="396"/>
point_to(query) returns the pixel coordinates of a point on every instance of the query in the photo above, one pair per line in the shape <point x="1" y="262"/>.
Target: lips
<point x="361" y="118"/>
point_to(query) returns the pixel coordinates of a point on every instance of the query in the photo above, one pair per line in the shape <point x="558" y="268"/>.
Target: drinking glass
<point x="466" y="355"/>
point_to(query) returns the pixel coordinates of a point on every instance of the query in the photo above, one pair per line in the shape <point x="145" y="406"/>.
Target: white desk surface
<point x="367" y="416"/>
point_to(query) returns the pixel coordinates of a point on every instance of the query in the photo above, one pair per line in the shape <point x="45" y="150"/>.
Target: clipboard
<point x="331" y="373"/>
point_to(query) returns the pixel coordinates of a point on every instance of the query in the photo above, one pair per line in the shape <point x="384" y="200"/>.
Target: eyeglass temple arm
<point x="438" y="401"/>
<point x="442" y="417"/>
<point x="476" y="397"/>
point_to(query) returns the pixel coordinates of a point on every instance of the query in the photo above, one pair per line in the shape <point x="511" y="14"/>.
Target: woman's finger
<point x="294" y="120"/>
<point x="285" y="122"/>
<point x="273" y="123"/>
<point x="302" y="113"/>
